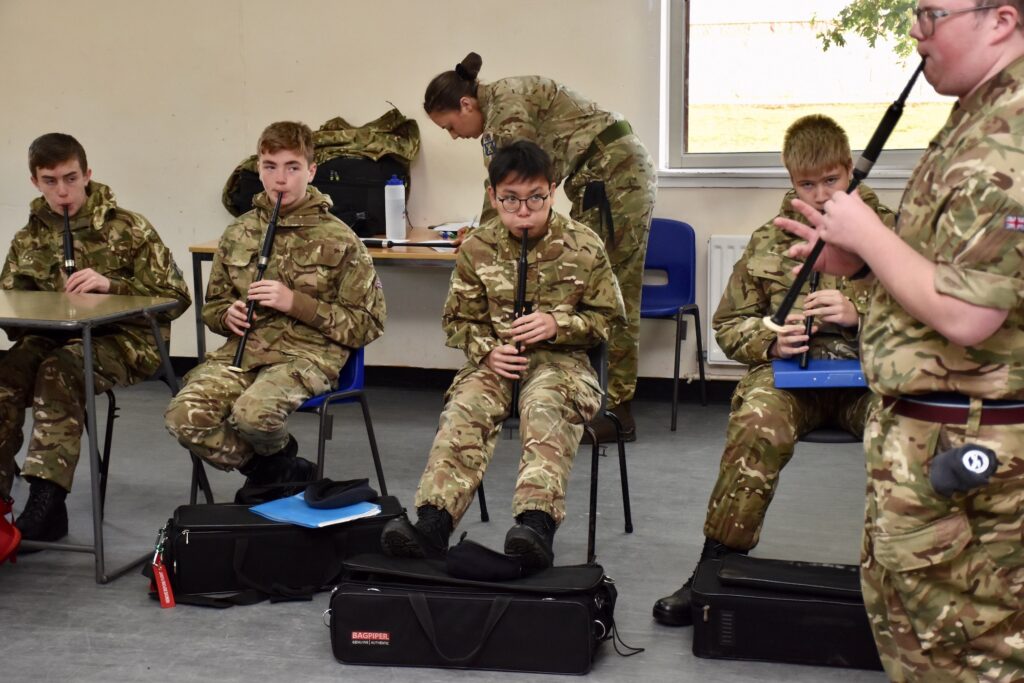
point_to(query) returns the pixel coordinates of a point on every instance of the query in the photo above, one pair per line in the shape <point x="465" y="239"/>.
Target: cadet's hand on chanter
<point x="86" y="281"/>
<point x="272" y="294"/>
<point x="506" y="361"/>
<point x="234" y="318"/>
<point x="834" y="257"/>
<point x="831" y="306"/>
<point x="534" y="328"/>
<point x="792" y="340"/>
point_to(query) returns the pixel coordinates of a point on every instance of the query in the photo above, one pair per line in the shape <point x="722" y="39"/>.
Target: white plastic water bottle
<point x="394" y="209"/>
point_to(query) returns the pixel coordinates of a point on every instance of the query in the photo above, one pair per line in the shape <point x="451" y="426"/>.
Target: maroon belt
<point x="945" y="412"/>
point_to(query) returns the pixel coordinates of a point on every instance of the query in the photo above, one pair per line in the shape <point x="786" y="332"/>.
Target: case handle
<point x="422" y="611"/>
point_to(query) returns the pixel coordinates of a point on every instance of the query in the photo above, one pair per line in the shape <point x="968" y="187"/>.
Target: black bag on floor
<point x="778" y="611"/>
<point x="401" y="612"/>
<point x="223" y="555"/>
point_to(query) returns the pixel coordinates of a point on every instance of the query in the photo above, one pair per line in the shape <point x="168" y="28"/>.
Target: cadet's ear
<point x="493" y="197"/>
<point x="312" y="172"/>
<point x="467" y="104"/>
<point x="551" y="192"/>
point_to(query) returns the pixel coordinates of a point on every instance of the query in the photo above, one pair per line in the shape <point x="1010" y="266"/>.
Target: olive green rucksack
<point x="353" y="165"/>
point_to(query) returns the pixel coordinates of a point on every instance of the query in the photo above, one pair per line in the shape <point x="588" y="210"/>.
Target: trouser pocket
<point x="949" y="585"/>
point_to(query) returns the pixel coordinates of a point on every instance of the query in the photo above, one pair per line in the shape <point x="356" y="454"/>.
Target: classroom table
<point x="57" y="311"/>
<point x="399" y="256"/>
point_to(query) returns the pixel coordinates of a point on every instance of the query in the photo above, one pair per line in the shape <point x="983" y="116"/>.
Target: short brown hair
<point x="815" y="143"/>
<point x="47" y="151"/>
<point x="293" y="136"/>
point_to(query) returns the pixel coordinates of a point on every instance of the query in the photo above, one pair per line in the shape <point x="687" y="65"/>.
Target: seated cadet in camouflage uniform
<point x="319" y="299"/>
<point x="117" y="252"/>
<point x="766" y="422"/>
<point x="605" y="172"/>
<point x="575" y="297"/>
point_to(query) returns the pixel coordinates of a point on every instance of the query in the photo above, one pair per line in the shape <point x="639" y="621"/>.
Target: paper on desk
<point x="457" y="225"/>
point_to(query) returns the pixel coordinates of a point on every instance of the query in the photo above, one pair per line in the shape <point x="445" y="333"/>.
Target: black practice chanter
<point x="860" y="172"/>
<point x="69" y="245"/>
<point x="261" y="267"/>
<point x="805" y="357"/>
<point x="520" y="308"/>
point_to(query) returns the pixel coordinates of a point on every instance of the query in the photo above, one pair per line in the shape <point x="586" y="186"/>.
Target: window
<point x="736" y="74"/>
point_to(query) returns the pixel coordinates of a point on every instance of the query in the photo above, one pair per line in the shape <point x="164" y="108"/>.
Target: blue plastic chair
<point x="671" y="247"/>
<point x="350" y="390"/>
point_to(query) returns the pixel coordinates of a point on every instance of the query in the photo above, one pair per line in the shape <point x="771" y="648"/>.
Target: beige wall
<point x="168" y="96"/>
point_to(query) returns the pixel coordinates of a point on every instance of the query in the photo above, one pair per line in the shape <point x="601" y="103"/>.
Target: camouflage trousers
<point x="627" y="171"/>
<point x="764" y="426"/>
<point x="559" y="393"/>
<point x="49" y="375"/>
<point x="226" y="417"/>
<point x="943" y="579"/>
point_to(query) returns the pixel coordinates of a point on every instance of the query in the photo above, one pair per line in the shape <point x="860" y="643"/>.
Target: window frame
<point x="732" y="169"/>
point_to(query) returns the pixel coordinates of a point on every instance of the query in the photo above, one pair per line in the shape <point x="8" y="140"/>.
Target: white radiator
<point x="723" y="252"/>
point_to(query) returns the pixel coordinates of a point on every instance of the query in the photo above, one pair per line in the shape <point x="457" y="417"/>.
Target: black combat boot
<point x="264" y="472"/>
<point x="605" y="429"/>
<point x="45" y="517"/>
<point x="674" y="610"/>
<point x="427" y="538"/>
<point x="531" y="540"/>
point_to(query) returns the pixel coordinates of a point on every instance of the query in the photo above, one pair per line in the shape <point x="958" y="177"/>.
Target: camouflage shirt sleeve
<point x="10" y="278"/>
<point x="601" y="303"/>
<point x="220" y="290"/>
<point x="356" y="316"/>
<point x="978" y="251"/>
<point x="152" y="271"/>
<point x="466" y="321"/>
<point x="737" y="320"/>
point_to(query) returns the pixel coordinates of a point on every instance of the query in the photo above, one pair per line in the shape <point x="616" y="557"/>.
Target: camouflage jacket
<point x="119" y="244"/>
<point x="568" y="275"/>
<point x="559" y="120"/>
<point x="339" y="302"/>
<point x="760" y="281"/>
<point x="963" y="209"/>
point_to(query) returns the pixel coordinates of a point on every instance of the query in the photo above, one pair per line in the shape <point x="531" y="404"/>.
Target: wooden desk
<point x="399" y="256"/>
<point x="82" y="312"/>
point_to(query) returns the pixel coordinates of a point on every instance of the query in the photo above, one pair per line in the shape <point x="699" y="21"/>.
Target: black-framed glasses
<point x="534" y="202"/>
<point x="927" y="16"/>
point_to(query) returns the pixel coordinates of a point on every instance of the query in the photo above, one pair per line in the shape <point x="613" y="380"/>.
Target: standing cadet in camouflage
<point x="319" y="299"/>
<point x="766" y="422"/>
<point x="943" y="575"/>
<point x="608" y="175"/>
<point x="116" y="252"/>
<point x="575" y="297"/>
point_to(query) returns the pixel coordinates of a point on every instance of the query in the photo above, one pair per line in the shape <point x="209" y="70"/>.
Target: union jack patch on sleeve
<point x="1014" y="223"/>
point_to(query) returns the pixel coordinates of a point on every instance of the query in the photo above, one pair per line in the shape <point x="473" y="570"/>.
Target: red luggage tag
<point x="161" y="582"/>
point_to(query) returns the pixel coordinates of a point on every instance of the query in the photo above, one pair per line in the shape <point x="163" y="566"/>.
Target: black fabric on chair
<point x="829" y="435"/>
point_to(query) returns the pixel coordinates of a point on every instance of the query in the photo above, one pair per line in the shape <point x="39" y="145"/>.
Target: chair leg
<point x="373" y="445"/>
<point x="323" y="418"/>
<point x="105" y="456"/>
<point x="695" y="312"/>
<point x="595" y="460"/>
<point x="482" y="499"/>
<point x="199" y="481"/>
<point x="675" y="368"/>
<point x="623" y="476"/>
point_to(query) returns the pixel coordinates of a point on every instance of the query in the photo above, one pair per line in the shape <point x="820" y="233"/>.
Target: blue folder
<point x="294" y="510"/>
<point x="820" y="374"/>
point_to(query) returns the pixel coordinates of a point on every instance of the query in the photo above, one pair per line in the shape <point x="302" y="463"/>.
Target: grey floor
<point x="57" y="624"/>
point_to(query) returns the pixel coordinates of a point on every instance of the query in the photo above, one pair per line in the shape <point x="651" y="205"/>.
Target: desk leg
<point x="198" y="296"/>
<point x="94" y="452"/>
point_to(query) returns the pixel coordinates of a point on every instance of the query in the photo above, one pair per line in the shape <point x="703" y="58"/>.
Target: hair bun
<point x="463" y="73"/>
